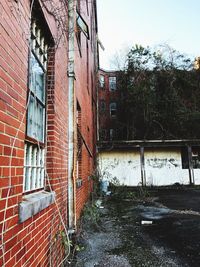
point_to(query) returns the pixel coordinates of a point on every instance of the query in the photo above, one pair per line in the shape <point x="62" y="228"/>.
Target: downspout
<point x="191" y="171"/>
<point x="71" y="78"/>
<point x="142" y="166"/>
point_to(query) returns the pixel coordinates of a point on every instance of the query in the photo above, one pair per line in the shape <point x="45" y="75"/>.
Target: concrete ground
<point x="161" y="228"/>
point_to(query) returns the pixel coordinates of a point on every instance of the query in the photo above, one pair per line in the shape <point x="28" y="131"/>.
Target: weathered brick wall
<point x="13" y="90"/>
<point x="85" y="88"/>
<point x="105" y="120"/>
<point x="37" y="241"/>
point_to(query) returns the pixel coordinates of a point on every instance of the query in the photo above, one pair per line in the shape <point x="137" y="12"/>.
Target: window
<point x="102" y="105"/>
<point x="36" y="112"/>
<point x="103" y="134"/>
<point x="34" y="167"/>
<point x="113" y="109"/>
<point x="195" y="158"/>
<point x="111" y="134"/>
<point x="82" y="27"/>
<point x="112" y="83"/>
<point x="36" y="107"/>
<point x="102" y="81"/>
<point x="192" y="155"/>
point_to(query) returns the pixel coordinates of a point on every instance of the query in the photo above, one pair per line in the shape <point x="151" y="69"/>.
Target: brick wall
<point x="38" y="241"/>
<point x="106" y="122"/>
<point x="85" y="88"/>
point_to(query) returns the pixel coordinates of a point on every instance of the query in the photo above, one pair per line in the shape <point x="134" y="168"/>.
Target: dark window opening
<point x="196" y="158"/>
<point x="113" y="109"/>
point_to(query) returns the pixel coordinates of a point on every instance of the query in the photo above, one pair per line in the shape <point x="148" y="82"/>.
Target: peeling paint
<point x="121" y="166"/>
<point x="160" y="167"/>
<point x="161" y="163"/>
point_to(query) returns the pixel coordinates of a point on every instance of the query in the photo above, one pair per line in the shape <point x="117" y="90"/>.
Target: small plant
<point x="65" y="241"/>
<point x="79" y="248"/>
<point x="143" y="192"/>
<point x="96" y="184"/>
<point x="131" y="195"/>
<point x="91" y="214"/>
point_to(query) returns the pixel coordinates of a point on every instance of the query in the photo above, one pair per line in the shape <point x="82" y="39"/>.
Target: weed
<point x="65" y="241"/>
<point x="143" y="192"/>
<point x="91" y="214"/>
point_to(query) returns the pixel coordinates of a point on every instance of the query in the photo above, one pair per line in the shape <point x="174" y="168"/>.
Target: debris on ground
<point x="170" y="238"/>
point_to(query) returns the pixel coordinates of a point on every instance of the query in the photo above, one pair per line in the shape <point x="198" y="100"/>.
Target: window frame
<point x="34" y="159"/>
<point x="102" y="81"/>
<point x="103" y="134"/>
<point x="81" y="27"/>
<point x="112" y="83"/>
<point x="113" y="109"/>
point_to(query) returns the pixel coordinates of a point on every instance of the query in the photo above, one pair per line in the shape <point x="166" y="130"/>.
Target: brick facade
<point x="107" y="116"/>
<point x="38" y="240"/>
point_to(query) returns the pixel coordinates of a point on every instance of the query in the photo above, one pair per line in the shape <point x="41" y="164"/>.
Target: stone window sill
<point x="34" y="203"/>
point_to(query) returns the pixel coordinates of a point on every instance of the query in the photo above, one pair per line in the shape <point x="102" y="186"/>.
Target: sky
<point x="124" y="23"/>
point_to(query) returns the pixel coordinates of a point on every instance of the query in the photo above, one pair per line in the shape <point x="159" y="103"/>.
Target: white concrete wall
<point x="125" y="166"/>
<point x="162" y="167"/>
<point x="197" y="176"/>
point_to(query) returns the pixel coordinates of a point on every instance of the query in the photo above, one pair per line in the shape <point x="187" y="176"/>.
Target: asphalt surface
<point x="161" y="228"/>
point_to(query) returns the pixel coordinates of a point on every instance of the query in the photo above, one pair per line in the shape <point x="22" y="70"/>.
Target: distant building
<point x="108" y="98"/>
<point x="139" y="162"/>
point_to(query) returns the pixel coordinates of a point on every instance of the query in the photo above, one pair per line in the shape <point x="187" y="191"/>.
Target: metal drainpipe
<point x="71" y="78"/>
<point x="191" y="171"/>
<point x="142" y="166"/>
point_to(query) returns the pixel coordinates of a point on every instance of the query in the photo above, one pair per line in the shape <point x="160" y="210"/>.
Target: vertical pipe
<point x="143" y="175"/>
<point x="191" y="171"/>
<point x="71" y="78"/>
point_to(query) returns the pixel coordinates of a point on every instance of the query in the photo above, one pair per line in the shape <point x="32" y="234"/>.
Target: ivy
<point x="160" y="95"/>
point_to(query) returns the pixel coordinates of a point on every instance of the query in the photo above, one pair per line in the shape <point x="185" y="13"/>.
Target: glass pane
<point x="35" y="120"/>
<point x="40" y="123"/>
<point x="112" y="83"/>
<point x="101" y="80"/>
<point x="37" y="79"/>
<point x="30" y="118"/>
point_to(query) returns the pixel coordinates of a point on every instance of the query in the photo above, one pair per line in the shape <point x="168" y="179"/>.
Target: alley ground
<point x="160" y="227"/>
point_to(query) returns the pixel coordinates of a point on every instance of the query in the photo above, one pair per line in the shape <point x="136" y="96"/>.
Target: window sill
<point x="34" y="203"/>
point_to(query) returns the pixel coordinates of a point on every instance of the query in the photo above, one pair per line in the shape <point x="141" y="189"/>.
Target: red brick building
<point x="48" y="67"/>
<point x="108" y="108"/>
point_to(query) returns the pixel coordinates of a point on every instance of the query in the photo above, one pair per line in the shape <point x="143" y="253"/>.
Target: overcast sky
<point x="124" y="23"/>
